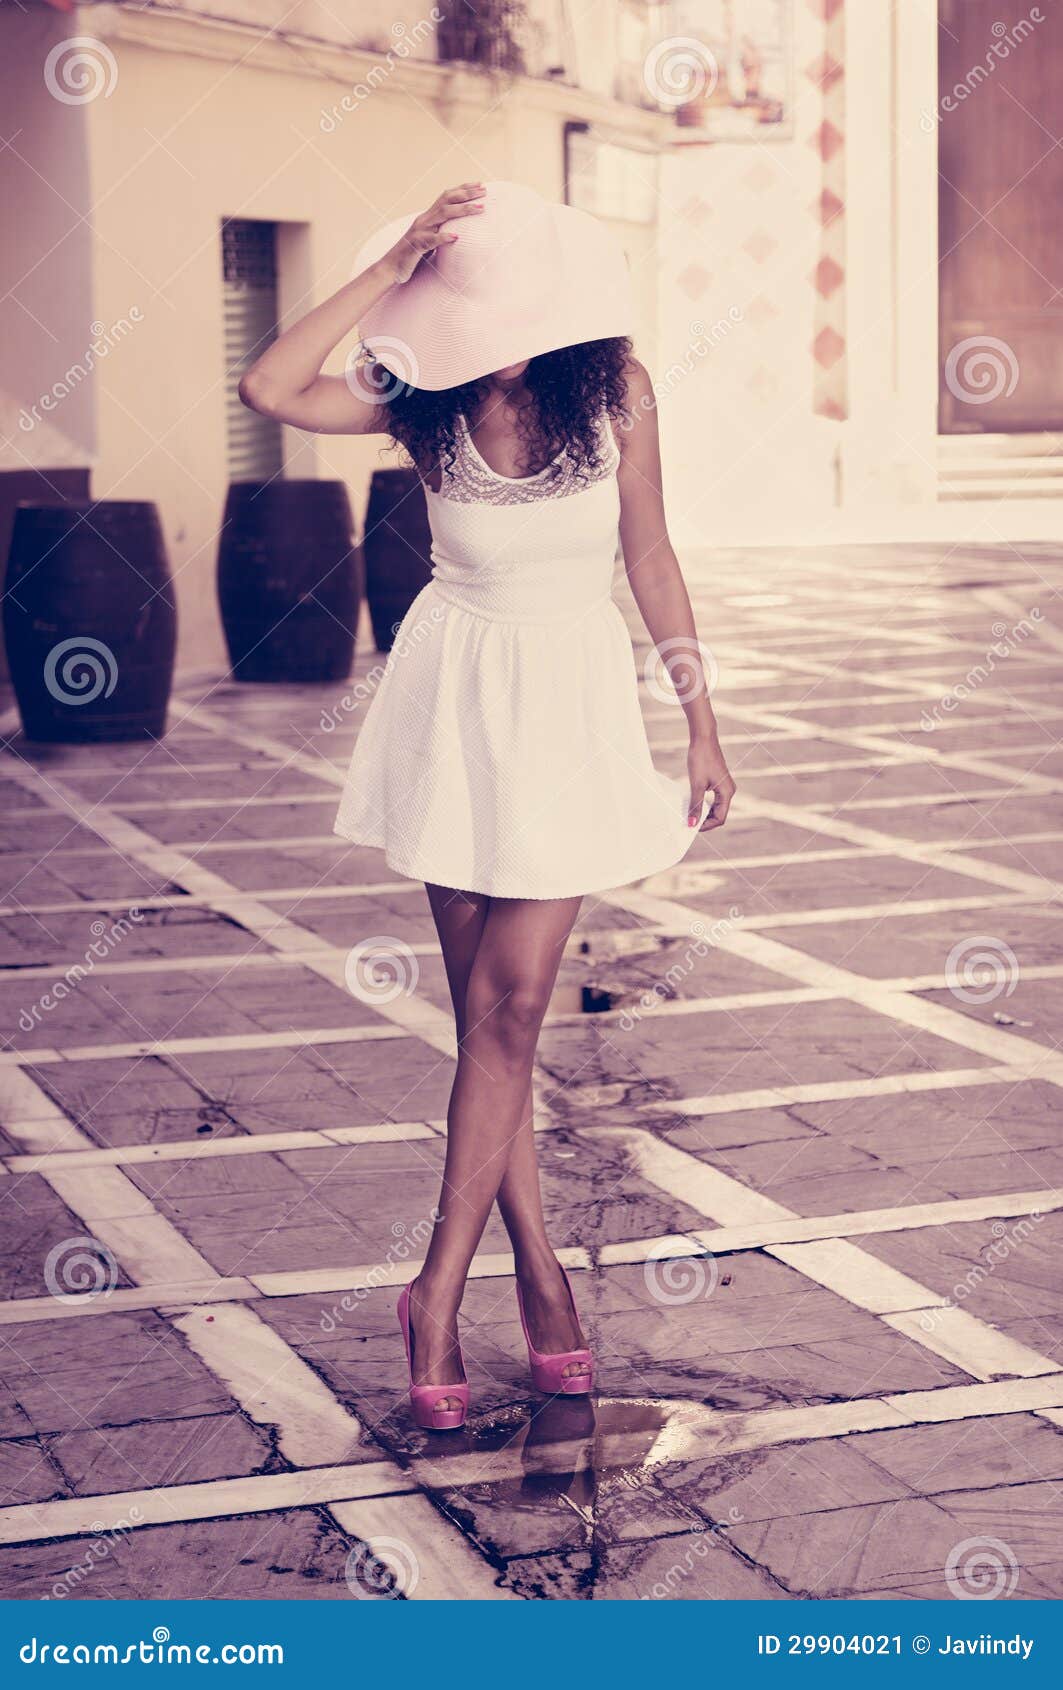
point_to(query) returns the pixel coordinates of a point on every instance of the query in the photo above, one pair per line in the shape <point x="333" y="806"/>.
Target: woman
<point x="504" y="761"/>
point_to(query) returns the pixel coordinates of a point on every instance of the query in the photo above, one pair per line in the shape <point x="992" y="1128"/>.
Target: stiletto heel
<point x="423" y="1398"/>
<point x="548" y="1371"/>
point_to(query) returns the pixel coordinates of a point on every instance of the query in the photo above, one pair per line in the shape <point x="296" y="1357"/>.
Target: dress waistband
<point x="474" y="605"/>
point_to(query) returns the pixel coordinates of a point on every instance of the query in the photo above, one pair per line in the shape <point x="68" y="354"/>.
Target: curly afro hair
<point x="568" y="390"/>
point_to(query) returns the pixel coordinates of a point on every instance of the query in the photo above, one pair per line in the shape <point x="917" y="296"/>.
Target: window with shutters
<point x="249" y="270"/>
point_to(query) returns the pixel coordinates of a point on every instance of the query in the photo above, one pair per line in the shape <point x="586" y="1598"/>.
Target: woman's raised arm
<point x="287" y="383"/>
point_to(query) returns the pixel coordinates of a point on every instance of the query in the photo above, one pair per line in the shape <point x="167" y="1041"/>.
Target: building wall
<point x="789" y="321"/>
<point x="798" y="296"/>
<point x="276" y="134"/>
<point x="46" y="303"/>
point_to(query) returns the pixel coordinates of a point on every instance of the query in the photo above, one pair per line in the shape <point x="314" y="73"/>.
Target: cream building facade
<point x="788" y="275"/>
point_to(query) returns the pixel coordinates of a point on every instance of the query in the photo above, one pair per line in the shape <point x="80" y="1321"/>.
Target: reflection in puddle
<point x="563" y="1450"/>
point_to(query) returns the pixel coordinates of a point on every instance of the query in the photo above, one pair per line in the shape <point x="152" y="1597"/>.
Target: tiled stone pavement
<point x="806" y="1167"/>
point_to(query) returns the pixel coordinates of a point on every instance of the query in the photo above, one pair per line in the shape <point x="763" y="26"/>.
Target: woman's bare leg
<point x="506" y="953"/>
<point x="459" y="918"/>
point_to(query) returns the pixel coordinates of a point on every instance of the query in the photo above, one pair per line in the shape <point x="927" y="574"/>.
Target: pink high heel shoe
<point x="548" y="1371"/>
<point x="423" y="1398"/>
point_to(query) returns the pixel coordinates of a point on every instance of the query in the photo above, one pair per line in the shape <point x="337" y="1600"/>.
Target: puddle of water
<point x="574" y="998"/>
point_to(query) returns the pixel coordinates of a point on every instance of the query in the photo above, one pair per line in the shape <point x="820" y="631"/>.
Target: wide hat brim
<point x="524" y="277"/>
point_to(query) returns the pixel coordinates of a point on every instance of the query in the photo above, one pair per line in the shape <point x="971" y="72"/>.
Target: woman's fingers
<point x="697" y="799"/>
<point x="721" y="803"/>
<point x="456" y="202"/>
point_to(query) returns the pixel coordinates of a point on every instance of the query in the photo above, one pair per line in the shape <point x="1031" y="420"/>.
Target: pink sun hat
<point x="525" y="276"/>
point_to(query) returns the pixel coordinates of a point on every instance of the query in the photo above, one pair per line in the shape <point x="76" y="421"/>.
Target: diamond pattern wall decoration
<point x="827" y="72"/>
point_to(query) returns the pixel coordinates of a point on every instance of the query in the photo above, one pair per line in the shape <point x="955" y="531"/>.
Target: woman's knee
<point x="508" y="1012"/>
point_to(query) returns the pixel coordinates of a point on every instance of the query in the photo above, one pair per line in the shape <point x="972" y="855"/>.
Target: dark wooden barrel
<point x="90" y="621"/>
<point x="288" y="581"/>
<point x="397" y="547"/>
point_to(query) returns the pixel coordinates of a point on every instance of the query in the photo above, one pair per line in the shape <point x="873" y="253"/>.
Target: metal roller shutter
<point x="249" y="260"/>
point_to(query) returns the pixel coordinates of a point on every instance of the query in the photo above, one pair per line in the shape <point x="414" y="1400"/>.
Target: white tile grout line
<point x="830" y="1262"/>
<point x="32" y="1159"/>
<point x="872" y="759"/>
<point x="711" y="871"/>
<point x="1013" y="1050"/>
<point x="333" y="842"/>
<point x="768" y="1235"/>
<point x="692" y="1432"/>
<point x="281" y="935"/>
<point x="206" y="1149"/>
<point x="271" y="1383"/>
<point x="199" y="1044"/>
<point x="835" y="1263"/>
<point x="225" y="961"/>
<point x="832" y="1091"/>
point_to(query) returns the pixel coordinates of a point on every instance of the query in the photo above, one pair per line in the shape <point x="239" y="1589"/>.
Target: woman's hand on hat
<point x="426" y="232"/>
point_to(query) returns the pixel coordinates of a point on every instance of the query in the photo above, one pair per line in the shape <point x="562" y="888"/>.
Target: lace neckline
<point x="506" y="480"/>
<point x="470" y="480"/>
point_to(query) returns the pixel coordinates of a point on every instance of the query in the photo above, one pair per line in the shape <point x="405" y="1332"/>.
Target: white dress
<point x="504" y="751"/>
